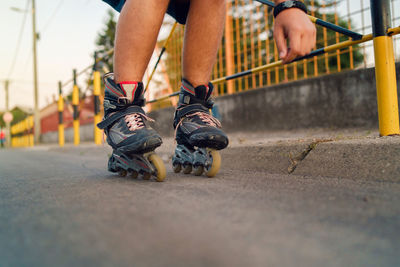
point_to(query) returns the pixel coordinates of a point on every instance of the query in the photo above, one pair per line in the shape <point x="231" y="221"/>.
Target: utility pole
<point x="36" y="112"/>
<point x="8" y="128"/>
<point x="6" y="83"/>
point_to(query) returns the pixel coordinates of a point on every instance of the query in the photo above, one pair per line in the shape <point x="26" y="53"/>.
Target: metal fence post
<point x="75" y="104"/>
<point x="96" y="94"/>
<point x="229" y="57"/>
<point x="61" y="137"/>
<point x="385" y="71"/>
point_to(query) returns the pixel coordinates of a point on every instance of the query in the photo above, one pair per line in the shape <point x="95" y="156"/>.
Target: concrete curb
<point x="350" y="154"/>
<point x="375" y="159"/>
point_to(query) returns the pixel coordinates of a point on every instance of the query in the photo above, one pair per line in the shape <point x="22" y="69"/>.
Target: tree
<point x="104" y="43"/>
<point x="18" y="113"/>
<point x="105" y="39"/>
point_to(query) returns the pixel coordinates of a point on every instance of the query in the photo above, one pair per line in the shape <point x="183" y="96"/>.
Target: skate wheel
<point x="158" y="164"/>
<point x="122" y="173"/>
<point x="111" y="165"/>
<point x="146" y="176"/>
<point x="134" y="174"/>
<point x="187" y="169"/>
<point x="177" y="167"/>
<point x="198" y="170"/>
<point x="215" y="165"/>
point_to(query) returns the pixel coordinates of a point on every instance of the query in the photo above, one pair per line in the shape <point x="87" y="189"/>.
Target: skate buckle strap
<point x="116" y="116"/>
<point x="185" y="110"/>
<point x="188" y="99"/>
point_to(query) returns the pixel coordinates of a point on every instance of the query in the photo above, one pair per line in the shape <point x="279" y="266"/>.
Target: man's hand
<point x="294" y="25"/>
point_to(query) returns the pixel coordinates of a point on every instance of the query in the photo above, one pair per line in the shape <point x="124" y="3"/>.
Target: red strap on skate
<point x="136" y="84"/>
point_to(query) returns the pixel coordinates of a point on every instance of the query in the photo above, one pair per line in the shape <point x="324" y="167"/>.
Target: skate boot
<point x="128" y="132"/>
<point x="197" y="133"/>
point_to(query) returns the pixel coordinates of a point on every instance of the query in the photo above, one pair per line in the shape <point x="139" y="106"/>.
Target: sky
<point x="68" y="30"/>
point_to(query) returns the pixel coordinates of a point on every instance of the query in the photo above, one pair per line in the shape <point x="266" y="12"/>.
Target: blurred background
<point x="68" y="33"/>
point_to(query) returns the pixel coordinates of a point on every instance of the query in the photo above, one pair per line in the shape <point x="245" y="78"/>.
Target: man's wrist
<point x="280" y="1"/>
<point x="284" y="5"/>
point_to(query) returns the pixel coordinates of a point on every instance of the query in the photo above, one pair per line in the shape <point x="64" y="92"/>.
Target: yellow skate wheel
<point x="122" y="173"/>
<point x="198" y="170"/>
<point x="187" y="169"/>
<point x="216" y="163"/>
<point x="159" y="165"/>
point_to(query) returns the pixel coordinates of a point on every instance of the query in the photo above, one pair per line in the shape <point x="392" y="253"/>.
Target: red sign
<point x="7" y="117"/>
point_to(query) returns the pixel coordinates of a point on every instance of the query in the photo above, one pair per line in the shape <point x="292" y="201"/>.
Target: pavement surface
<point x="266" y="207"/>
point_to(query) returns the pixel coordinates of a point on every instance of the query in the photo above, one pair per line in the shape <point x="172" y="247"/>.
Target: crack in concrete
<point x="295" y="160"/>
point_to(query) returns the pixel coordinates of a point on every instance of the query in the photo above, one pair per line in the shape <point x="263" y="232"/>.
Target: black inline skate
<point x="197" y="132"/>
<point x="128" y="132"/>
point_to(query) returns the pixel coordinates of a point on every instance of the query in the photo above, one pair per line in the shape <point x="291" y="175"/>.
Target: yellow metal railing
<point x="22" y="133"/>
<point x="248" y="43"/>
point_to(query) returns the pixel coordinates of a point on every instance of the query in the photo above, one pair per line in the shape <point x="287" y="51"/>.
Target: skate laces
<point x="135" y="121"/>
<point x="207" y="118"/>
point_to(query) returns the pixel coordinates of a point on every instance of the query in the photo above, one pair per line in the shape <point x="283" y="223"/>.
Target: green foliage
<point x="18" y="115"/>
<point x="2" y="123"/>
<point x="104" y="43"/>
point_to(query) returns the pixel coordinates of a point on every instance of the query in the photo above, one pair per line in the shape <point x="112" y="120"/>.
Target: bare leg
<point x="195" y="127"/>
<point x="136" y="37"/>
<point x="203" y="34"/>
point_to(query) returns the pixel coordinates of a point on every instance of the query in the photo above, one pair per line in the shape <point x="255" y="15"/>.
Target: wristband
<point x="289" y="4"/>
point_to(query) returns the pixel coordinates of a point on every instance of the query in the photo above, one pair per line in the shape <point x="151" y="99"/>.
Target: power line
<point x="28" y="59"/>
<point x="28" y="62"/>
<point x="19" y="40"/>
<point x="52" y="16"/>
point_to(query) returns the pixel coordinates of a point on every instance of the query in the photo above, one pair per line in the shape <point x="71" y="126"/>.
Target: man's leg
<point x="203" y="34"/>
<point x="125" y="122"/>
<point x="197" y="132"/>
<point x="136" y="36"/>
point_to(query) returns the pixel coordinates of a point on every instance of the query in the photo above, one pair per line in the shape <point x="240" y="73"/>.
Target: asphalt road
<point x="62" y="208"/>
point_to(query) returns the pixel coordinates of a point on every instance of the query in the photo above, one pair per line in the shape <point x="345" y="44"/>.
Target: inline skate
<point x="197" y="133"/>
<point x="128" y="132"/>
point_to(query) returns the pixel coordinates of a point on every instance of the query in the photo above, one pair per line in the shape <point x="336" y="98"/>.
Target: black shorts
<point x="178" y="11"/>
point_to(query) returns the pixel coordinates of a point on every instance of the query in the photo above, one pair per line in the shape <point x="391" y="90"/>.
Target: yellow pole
<point x="61" y="136"/>
<point x="229" y="57"/>
<point x="26" y="138"/>
<point x="388" y="107"/>
<point x="31" y="137"/>
<point x="385" y="72"/>
<point x="75" y="104"/>
<point x="97" y="116"/>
